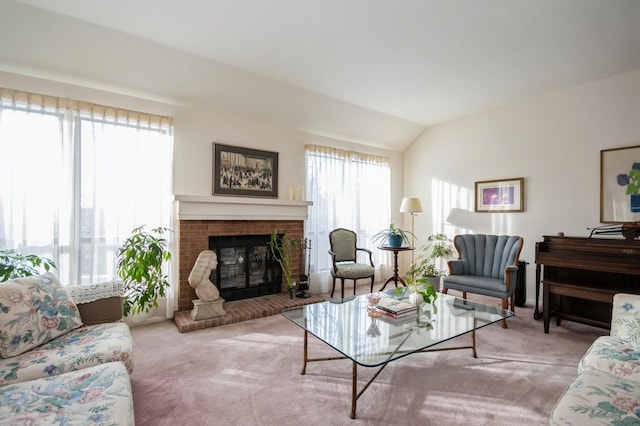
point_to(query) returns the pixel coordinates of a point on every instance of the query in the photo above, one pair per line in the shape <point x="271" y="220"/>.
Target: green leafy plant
<point x="140" y="260"/>
<point x="420" y="285"/>
<point x="385" y="235"/>
<point x="282" y="248"/>
<point x="17" y="265"/>
<point x="437" y="246"/>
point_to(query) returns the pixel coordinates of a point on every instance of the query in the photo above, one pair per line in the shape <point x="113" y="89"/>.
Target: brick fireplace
<point x="194" y="237"/>
<point x="200" y="217"/>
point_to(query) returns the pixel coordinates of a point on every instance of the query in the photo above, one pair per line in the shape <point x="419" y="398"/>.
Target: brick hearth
<point x="244" y="310"/>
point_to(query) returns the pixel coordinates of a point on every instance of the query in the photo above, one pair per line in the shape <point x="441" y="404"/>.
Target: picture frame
<point x="499" y="196"/>
<point x="620" y="185"/>
<point x="244" y="171"/>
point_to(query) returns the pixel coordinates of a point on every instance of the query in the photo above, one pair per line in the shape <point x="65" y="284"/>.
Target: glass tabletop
<point x="372" y="341"/>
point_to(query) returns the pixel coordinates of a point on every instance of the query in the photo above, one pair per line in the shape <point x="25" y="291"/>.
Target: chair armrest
<point x="510" y="275"/>
<point x="365" y="250"/>
<point x="333" y="259"/>
<point x="455" y="267"/>
<point x="625" y="317"/>
<point x="99" y="303"/>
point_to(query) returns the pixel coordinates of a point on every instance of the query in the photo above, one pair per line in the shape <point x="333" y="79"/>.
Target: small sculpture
<point x="199" y="278"/>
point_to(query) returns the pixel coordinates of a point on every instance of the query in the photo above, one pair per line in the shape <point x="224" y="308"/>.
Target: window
<point x="349" y="190"/>
<point x="77" y="178"/>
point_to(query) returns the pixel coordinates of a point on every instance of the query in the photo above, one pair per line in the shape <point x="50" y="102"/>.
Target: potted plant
<point x="140" y="260"/>
<point x="17" y="265"/>
<point x="421" y="292"/>
<point x="438" y="246"/>
<point x="393" y="236"/>
<point x="281" y="248"/>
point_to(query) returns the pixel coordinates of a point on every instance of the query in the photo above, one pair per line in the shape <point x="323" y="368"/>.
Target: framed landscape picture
<point x="504" y="195"/>
<point x="620" y="185"/>
<point x="244" y="171"/>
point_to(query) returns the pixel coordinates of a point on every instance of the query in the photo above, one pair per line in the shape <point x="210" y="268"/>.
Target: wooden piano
<point x="581" y="275"/>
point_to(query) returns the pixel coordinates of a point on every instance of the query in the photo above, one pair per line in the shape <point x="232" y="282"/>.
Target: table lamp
<point x="413" y="206"/>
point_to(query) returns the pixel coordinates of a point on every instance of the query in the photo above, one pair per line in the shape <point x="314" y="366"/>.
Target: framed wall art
<point x="244" y="171"/>
<point x="620" y="185"/>
<point x="503" y="195"/>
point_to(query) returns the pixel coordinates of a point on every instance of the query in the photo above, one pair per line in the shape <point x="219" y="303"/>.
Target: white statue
<point x="199" y="276"/>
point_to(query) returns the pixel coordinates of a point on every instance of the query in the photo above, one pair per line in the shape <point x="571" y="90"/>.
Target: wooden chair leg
<point x="342" y="287"/>
<point x="371" y="285"/>
<point x="464" y="295"/>
<point x="333" y="288"/>
<point x="354" y="287"/>
<point x="445" y="290"/>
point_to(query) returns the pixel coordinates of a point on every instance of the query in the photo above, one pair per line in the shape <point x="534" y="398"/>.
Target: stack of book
<point x="396" y="308"/>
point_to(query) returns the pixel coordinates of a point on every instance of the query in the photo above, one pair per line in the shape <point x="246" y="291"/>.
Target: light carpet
<point x="249" y="374"/>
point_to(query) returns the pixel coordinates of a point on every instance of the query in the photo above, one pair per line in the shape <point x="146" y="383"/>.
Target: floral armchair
<point x="607" y="389"/>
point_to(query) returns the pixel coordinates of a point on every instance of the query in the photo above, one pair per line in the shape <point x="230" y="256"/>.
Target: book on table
<point x="396" y="306"/>
<point x="401" y="315"/>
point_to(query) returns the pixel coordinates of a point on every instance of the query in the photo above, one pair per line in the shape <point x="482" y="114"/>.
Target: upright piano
<point x="580" y="276"/>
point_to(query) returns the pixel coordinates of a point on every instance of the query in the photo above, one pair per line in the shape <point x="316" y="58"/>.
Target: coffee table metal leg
<point x="304" y="362"/>
<point x="473" y="343"/>
<point x="354" y="389"/>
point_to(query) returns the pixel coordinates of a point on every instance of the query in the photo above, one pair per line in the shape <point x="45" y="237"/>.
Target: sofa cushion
<point x="612" y="355"/>
<point x="78" y="349"/>
<point x="100" y="395"/>
<point x="34" y="310"/>
<point x="625" y="321"/>
<point x="598" y="398"/>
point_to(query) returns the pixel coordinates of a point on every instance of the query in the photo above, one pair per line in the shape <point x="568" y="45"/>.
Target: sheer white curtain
<point x="77" y="178"/>
<point x="349" y="190"/>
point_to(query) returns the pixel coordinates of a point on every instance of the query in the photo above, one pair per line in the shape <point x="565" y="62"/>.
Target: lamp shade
<point x="411" y="205"/>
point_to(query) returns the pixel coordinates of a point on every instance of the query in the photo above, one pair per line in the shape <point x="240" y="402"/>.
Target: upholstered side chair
<point x="486" y="265"/>
<point x="344" y="256"/>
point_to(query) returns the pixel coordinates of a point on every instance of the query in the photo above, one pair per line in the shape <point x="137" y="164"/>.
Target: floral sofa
<point x="607" y="389"/>
<point x="63" y="362"/>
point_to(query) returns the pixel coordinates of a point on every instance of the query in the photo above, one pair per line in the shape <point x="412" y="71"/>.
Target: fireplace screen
<point x="246" y="267"/>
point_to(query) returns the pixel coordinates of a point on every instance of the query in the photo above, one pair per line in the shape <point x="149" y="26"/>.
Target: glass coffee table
<point x="346" y="326"/>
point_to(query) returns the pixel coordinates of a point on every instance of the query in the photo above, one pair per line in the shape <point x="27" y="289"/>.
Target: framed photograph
<point x="503" y="195"/>
<point x="620" y="185"/>
<point x="245" y="172"/>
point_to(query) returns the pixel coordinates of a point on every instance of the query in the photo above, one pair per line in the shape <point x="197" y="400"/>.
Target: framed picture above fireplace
<point x="244" y="171"/>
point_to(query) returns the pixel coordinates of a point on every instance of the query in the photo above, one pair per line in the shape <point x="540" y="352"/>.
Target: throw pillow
<point x="34" y="310"/>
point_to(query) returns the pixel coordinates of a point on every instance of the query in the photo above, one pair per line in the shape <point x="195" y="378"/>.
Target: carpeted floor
<point x="249" y="374"/>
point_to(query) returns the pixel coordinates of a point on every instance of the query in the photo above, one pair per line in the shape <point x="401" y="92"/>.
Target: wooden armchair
<point x="344" y="256"/>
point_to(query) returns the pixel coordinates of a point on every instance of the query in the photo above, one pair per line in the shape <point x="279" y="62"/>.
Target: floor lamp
<point x="413" y="206"/>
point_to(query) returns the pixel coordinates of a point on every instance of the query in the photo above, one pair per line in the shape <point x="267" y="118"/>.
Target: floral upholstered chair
<point x="607" y="389"/>
<point x="344" y="256"/>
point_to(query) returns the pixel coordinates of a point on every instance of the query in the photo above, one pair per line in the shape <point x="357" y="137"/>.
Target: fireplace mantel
<point x="211" y="207"/>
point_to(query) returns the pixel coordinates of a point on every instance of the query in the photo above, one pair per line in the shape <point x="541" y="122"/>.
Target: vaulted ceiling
<point x="405" y="64"/>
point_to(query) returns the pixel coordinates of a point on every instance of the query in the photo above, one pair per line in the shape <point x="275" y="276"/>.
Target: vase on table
<point x="423" y="316"/>
<point x="292" y="290"/>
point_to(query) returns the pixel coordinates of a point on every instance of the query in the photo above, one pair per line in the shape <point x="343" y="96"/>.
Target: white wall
<point x="210" y="102"/>
<point x="553" y="141"/>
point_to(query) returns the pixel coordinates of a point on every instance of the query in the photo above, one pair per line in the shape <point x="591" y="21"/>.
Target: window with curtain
<point x="77" y="178"/>
<point x="349" y="190"/>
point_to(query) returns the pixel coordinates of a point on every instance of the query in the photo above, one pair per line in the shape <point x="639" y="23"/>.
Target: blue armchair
<point x="486" y="265"/>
